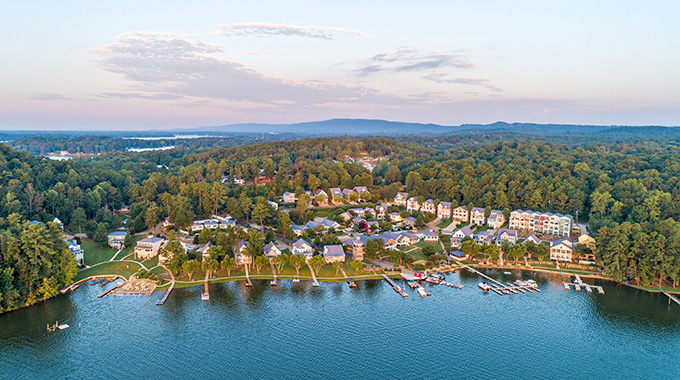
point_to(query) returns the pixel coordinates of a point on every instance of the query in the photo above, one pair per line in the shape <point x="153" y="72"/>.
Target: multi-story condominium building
<point x="428" y="206"/>
<point x="412" y="204"/>
<point x="461" y="214"/>
<point x="400" y="199"/>
<point x="477" y="216"/>
<point x="444" y="210"/>
<point x="147" y="248"/>
<point x="543" y="222"/>
<point x="495" y="219"/>
<point x="561" y="250"/>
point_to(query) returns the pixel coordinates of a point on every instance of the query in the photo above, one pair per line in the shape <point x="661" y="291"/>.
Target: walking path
<point x="116" y="254"/>
<point x="315" y="283"/>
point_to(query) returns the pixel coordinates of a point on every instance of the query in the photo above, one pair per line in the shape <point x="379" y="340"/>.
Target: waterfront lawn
<point x="93" y="253"/>
<point x="124" y="269"/>
<point x="422" y="244"/>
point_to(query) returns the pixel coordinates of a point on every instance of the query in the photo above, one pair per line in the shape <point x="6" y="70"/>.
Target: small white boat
<point x="296" y="279"/>
<point x="63" y="327"/>
<point x="205" y="296"/>
<point x="422" y="292"/>
<point x="507" y="273"/>
<point x="531" y="283"/>
<point x="484" y="286"/>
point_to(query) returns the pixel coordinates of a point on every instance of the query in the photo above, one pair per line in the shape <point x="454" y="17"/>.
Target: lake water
<point x="296" y="331"/>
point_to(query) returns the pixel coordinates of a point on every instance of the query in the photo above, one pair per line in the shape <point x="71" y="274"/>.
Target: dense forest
<point x="627" y="192"/>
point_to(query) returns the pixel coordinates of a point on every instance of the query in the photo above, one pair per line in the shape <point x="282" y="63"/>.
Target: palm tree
<point x="337" y="265"/>
<point x="356" y="265"/>
<point x="210" y="265"/>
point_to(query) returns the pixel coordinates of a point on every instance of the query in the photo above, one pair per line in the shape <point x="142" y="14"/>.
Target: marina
<point x="503" y="289"/>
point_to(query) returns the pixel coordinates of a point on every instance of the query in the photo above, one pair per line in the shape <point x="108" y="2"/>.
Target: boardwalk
<point x="167" y="294"/>
<point x="315" y="283"/>
<point x="500" y="288"/>
<point x="351" y="283"/>
<point x="248" y="282"/>
<point x="396" y="287"/>
<point x="671" y="297"/>
<point x="274" y="281"/>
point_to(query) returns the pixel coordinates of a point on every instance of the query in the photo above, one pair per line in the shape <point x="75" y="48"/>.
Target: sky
<point x="84" y="64"/>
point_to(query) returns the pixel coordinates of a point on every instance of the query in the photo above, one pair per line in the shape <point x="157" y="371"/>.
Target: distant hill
<point x="359" y="127"/>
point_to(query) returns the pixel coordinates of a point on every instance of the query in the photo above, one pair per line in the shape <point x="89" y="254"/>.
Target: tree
<point x="356" y="265"/>
<point x="261" y="211"/>
<point x="101" y="236"/>
<point x="259" y="262"/>
<point x="419" y="220"/>
<point x="337" y="265"/>
<point x="428" y="250"/>
<point x="227" y="264"/>
<point x="210" y="265"/>
<point x="78" y="219"/>
<point x="153" y="213"/>
<point x="316" y="263"/>
<point x="280" y="261"/>
<point x="129" y="240"/>
<point x="297" y="261"/>
<point x="542" y="252"/>
<point x="189" y="267"/>
<point x="285" y="221"/>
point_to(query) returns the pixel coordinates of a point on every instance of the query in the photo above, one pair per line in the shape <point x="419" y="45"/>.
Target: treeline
<point x="35" y="263"/>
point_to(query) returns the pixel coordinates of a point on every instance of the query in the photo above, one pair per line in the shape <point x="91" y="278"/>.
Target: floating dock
<point x="107" y="291"/>
<point x="578" y="284"/>
<point x="500" y="288"/>
<point x="396" y="287"/>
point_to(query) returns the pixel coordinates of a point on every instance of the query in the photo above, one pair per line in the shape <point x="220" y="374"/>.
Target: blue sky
<point x="168" y="64"/>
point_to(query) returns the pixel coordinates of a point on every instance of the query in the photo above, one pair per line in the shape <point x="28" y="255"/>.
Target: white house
<point x="477" y="216"/>
<point x="303" y="248"/>
<point x="333" y="253"/>
<point x="444" y="210"/>
<point x="148" y="247"/>
<point x="271" y="250"/>
<point x="117" y="239"/>
<point x="240" y="254"/>
<point x="561" y="250"/>
<point x="412" y="204"/>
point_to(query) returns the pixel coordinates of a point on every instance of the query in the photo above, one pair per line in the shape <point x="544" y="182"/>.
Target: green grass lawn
<point x="444" y="223"/>
<point x="93" y="253"/>
<point x="123" y="269"/>
<point x="422" y="244"/>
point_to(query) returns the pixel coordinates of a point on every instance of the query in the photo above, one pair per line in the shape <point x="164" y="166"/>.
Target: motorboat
<point x="484" y="286"/>
<point x="531" y="283"/>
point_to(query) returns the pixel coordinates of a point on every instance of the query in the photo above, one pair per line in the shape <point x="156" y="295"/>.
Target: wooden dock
<point x="351" y="283"/>
<point x="396" y="287"/>
<point x="167" y="294"/>
<point x="107" y="291"/>
<point x="315" y="283"/>
<point x="578" y="284"/>
<point x="500" y="288"/>
<point x="274" y="281"/>
<point x="248" y="282"/>
<point x="671" y="297"/>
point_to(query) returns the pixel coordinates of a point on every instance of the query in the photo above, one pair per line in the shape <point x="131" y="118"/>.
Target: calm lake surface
<point x="296" y="331"/>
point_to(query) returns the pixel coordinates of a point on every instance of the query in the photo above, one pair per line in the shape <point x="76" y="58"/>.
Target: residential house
<point x="336" y="193"/>
<point x="461" y="214"/>
<point x="506" y="234"/>
<point x="477" y="216"/>
<point x="432" y="237"/>
<point x="76" y="250"/>
<point x="298" y="230"/>
<point x="322" y="194"/>
<point x="301" y="247"/>
<point x="289" y="197"/>
<point x="204" y="250"/>
<point x="148" y="247"/>
<point x="409" y="238"/>
<point x="444" y="210"/>
<point x="588" y="241"/>
<point x="561" y="250"/>
<point x="346" y="193"/>
<point x="211" y="224"/>
<point x="369" y="212"/>
<point x="59" y="223"/>
<point x="543" y="222"/>
<point x="428" y="206"/>
<point x="355" y="248"/>
<point x="496" y="219"/>
<point x="483" y="238"/>
<point x="389" y="240"/>
<point x="409" y="222"/>
<point x="345" y="217"/>
<point x="333" y="253"/>
<point x="400" y="198"/>
<point x="196" y="227"/>
<point x="360" y="189"/>
<point x="271" y="250"/>
<point x="372" y="227"/>
<point x="274" y="205"/>
<point x="117" y="239"/>
<point x="380" y="211"/>
<point x="241" y="253"/>
<point x="412" y="204"/>
<point x="533" y="238"/>
<point x="358" y="222"/>
<point x="395" y="217"/>
<point x="359" y="211"/>
<point x="463" y="232"/>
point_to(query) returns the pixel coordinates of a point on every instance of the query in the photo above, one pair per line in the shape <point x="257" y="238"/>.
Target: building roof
<point x="333" y="251"/>
<point x="466" y="230"/>
<point x="271" y="248"/>
<point x="566" y="242"/>
<point x="462" y="208"/>
<point x="151" y="240"/>
<point x="507" y="231"/>
<point x="479" y="209"/>
<point x="537" y="213"/>
<point x="444" y="205"/>
<point x="118" y="233"/>
<point x="301" y="244"/>
<point x="429" y="201"/>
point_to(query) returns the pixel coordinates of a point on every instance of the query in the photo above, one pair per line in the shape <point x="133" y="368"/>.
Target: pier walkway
<point x="274" y="281"/>
<point x="248" y="282"/>
<point x="578" y="284"/>
<point x="500" y="288"/>
<point x="351" y="283"/>
<point x="396" y="287"/>
<point x="315" y="283"/>
<point x="671" y="297"/>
